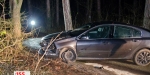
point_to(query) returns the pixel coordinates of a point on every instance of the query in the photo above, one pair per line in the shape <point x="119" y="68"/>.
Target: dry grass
<point x="12" y="58"/>
<point x="27" y="61"/>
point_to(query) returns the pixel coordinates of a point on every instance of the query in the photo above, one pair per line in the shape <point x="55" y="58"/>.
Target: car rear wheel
<point x="142" y="57"/>
<point x="68" y="55"/>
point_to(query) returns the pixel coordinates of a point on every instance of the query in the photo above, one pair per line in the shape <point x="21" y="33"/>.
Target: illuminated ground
<point x="120" y="67"/>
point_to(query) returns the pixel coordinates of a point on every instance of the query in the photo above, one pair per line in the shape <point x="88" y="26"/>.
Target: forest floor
<point x="103" y="67"/>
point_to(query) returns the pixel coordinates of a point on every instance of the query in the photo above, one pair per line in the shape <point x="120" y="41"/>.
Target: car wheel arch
<point x="141" y="49"/>
<point x="134" y="52"/>
<point x="65" y="49"/>
<point x="138" y="52"/>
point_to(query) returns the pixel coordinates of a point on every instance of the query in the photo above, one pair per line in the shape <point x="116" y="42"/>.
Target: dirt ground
<point x="122" y="67"/>
<point x="110" y="67"/>
<point x="90" y="69"/>
<point x="103" y="67"/>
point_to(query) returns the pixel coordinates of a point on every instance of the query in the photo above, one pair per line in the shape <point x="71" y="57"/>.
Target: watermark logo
<point x="21" y="72"/>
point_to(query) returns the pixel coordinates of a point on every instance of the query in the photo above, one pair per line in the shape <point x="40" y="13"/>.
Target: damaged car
<point x="100" y="40"/>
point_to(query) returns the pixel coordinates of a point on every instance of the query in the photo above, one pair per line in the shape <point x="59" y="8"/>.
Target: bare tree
<point x="48" y="13"/>
<point x="3" y="10"/>
<point x="48" y="8"/>
<point x="10" y="7"/>
<point x="29" y="6"/>
<point x="99" y="9"/>
<point x="57" y="12"/>
<point x="67" y="15"/>
<point x="89" y="8"/>
<point x="135" y="4"/>
<point x="135" y="10"/>
<point x="119" y="17"/>
<point x="146" y="22"/>
<point x="16" y="17"/>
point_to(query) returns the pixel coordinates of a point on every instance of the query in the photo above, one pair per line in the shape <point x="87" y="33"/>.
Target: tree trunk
<point x="119" y="17"/>
<point x="48" y="25"/>
<point x="48" y="8"/>
<point x="99" y="9"/>
<point x="16" y="17"/>
<point x="3" y="10"/>
<point x="135" y="5"/>
<point x="89" y="9"/>
<point x="57" y="12"/>
<point x="67" y="15"/>
<point x="29" y="7"/>
<point x="146" y="22"/>
<point x="10" y="7"/>
<point x="16" y="20"/>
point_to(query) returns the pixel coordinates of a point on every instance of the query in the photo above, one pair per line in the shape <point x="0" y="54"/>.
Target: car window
<point x="125" y="32"/>
<point x="84" y="27"/>
<point x="99" y="32"/>
<point x="136" y="33"/>
<point x="80" y="30"/>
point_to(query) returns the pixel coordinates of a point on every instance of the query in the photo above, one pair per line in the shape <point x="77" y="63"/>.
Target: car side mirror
<point x="84" y="37"/>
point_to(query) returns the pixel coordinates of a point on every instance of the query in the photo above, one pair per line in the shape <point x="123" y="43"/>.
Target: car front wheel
<point x="142" y="57"/>
<point x="68" y="55"/>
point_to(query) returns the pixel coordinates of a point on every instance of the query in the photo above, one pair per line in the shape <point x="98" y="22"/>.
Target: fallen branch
<point x="16" y="41"/>
<point x="46" y="51"/>
<point x="46" y="65"/>
<point x="10" y="60"/>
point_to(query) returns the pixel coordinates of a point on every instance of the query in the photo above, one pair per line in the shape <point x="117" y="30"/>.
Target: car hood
<point x="64" y="34"/>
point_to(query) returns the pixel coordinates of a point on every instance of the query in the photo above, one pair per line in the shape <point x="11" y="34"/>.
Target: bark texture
<point x="29" y="7"/>
<point x="57" y="12"/>
<point x="48" y="15"/>
<point x="16" y="17"/>
<point x="67" y="15"/>
<point x="119" y="11"/>
<point x="89" y="10"/>
<point x="48" y="8"/>
<point x="146" y="22"/>
<point x="99" y="9"/>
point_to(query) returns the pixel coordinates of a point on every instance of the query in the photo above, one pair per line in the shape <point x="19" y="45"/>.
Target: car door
<point x="124" y="41"/>
<point x="95" y="43"/>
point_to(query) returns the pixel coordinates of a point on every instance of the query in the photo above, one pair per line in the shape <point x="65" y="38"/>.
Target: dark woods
<point x="128" y="11"/>
<point x="50" y="12"/>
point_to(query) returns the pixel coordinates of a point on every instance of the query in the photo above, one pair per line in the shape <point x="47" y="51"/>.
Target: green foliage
<point x="2" y="33"/>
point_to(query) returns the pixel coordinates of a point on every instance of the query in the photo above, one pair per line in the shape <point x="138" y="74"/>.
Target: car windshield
<point x="80" y="30"/>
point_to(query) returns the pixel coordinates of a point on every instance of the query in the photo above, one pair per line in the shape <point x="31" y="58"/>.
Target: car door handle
<point x="105" y="42"/>
<point x="134" y="40"/>
<point x="83" y="49"/>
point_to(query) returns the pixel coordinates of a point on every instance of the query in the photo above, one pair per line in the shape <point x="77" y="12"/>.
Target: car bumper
<point x="48" y="53"/>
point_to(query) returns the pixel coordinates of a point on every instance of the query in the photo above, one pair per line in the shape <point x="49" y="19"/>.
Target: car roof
<point x="115" y="22"/>
<point x="106" y="22"/>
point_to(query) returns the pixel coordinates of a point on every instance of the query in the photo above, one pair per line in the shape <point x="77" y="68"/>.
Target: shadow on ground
<point x="126" y="65"/>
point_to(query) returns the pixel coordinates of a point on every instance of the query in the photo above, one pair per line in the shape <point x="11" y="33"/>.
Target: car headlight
<point x="43" y="43"/>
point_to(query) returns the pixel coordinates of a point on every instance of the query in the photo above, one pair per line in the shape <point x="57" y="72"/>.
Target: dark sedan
<point x="103" y="40"/>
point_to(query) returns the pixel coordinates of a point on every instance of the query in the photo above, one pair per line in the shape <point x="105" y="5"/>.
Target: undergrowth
<point x="12" y="58"/>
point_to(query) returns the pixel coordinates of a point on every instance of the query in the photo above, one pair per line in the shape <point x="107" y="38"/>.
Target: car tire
<point x="142" y="57"/>
<point x="68" y="55"/>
